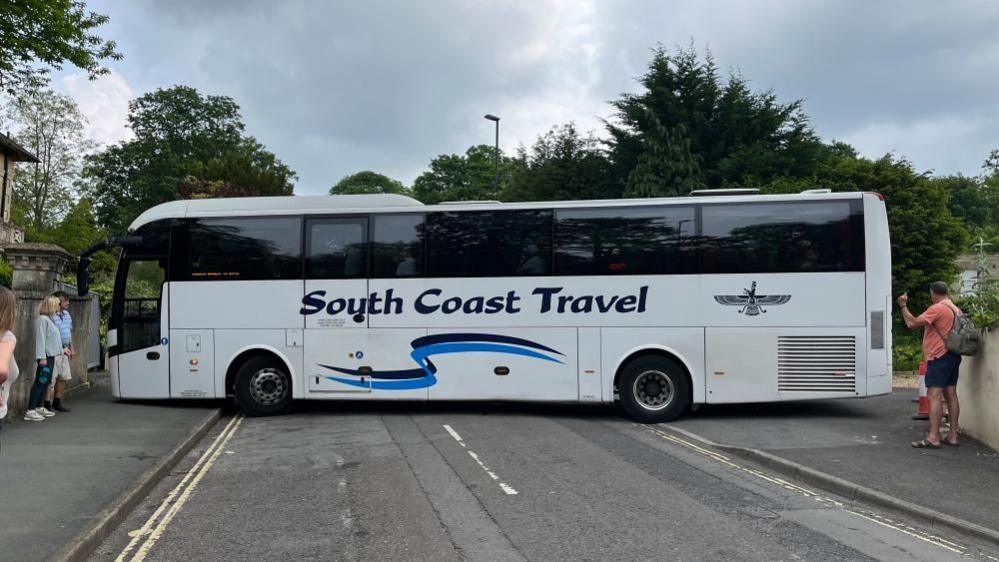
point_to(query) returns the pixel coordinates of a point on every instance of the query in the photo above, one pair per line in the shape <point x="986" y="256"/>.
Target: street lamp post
<point x="495" y="119"/>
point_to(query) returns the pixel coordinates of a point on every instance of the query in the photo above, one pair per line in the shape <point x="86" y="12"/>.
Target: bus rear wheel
<point x="654" y="389"/>
<point x="263" y="387"/>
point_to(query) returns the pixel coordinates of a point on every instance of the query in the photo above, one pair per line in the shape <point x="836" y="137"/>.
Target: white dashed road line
<point x="507" y="489"/>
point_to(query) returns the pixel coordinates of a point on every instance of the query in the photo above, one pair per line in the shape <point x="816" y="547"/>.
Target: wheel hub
<point x="654" y="390"/>
<point x="268" y="386"/>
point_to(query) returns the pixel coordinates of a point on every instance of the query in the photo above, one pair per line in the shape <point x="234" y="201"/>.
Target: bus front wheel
<point x="263" y="387"/>
<point x="654" y="389"/>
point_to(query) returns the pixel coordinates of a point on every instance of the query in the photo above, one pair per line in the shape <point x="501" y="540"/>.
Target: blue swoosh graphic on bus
<point x="442" y="344"/>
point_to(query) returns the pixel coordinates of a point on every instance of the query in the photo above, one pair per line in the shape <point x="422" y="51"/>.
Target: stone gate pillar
<point x="37" y="273"/>
<point x="37" y="267"/>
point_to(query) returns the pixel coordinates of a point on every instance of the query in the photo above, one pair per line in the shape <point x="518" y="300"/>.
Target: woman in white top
<point x="48" y="344"/>
<point x="8" y="367"/>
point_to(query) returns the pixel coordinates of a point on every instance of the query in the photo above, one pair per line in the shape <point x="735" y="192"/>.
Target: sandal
<point x="925" y="444"/>
<point x="954" y="444"/>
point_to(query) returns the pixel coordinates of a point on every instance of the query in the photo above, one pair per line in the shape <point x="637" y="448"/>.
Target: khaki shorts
<point x="60" y="371"/>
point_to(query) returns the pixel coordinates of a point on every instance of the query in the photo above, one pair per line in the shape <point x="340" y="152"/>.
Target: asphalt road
<point x="493" y="482"/>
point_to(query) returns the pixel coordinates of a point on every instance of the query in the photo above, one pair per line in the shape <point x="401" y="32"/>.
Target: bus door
<point x="335" y="306"/>
<point x="138" y="335"/>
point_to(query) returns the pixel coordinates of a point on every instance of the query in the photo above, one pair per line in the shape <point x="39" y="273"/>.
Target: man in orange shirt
<point x="941" y="365"/>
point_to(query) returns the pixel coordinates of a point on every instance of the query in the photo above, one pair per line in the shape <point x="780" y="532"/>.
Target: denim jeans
<point x="43" y="376"/>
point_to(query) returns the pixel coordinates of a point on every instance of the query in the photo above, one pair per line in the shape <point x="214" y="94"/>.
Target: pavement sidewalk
<point x="57" y="476"/>
<point x="866" y="442"/>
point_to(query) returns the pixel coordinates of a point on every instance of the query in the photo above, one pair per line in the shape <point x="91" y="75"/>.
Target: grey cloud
<point x="333" y="88"/>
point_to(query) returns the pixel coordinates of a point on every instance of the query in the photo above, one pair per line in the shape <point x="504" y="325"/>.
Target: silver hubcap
<point x="654" y="390"/>
<point x="268" y="386"/>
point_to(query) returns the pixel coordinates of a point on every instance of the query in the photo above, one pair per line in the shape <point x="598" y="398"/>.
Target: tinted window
<point x="397" y="246"/>
<point x="238" y="249"/>
<point x="155" y="239"/>
<point x="626" y="241"/>
<point x="337" y="249"/>
<point x="783" y="237"/>
<point x="490" y="244"/>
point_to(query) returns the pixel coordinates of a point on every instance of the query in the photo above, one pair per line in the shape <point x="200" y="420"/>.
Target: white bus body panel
<point x="287" y="345"/>
<point x="213" y="321"/>
<point x="879" y="298"/>
<point x="591" y="372"/>
<point x="665" y="313"/>
<point x="192" y="364"/>
<point x="743" y="365"/>
<point x="334" y="358"/>
<point x="241" y="305"/>
<point x="485" y="369"/>
<point x="686" y="344"/>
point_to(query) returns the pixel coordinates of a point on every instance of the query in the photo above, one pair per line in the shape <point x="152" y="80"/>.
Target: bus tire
<point x="263" y="387"/>
<point x="654" y="389"/>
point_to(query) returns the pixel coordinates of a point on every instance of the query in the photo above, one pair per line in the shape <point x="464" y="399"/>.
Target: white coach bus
<point x="657" y="303"/>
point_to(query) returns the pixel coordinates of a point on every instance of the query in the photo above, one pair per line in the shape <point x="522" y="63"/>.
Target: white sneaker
<point x="45" y="412"/>
<point x="32" y="415"/>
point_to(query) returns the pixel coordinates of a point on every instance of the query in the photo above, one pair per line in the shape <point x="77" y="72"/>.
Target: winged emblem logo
<point x="750" y="303"/>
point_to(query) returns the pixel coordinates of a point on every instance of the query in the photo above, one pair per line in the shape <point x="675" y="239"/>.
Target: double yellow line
<point x="157" y="523"/>
<point x="777" y="481"/>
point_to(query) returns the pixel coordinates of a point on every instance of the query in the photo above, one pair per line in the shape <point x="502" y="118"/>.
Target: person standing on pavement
<point x="8" y="367"/>
<point x="48" y="344"/>
<point x="941" y="365"/>
<point x="61" y="370"/>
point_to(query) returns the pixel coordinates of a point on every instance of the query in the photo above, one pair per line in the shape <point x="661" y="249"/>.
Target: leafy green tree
<point x="367" y="182"/>
<point x="971" y="200"/>
<point x="37" y="34"/>
<point x="739" y="138"/>
<point x="51" y="126"/>
<point x="186" y="145"/>
<point x="562" y="164"/>
<point x="468" y="177"/>
<point x="245" y="170"/>
<point x="666" y="167"/>
<point x="78" y="229"/>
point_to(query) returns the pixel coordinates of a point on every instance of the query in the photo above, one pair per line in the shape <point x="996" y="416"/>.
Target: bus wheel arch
<point x="655" y="367"/>
<point x="260" y="368"/>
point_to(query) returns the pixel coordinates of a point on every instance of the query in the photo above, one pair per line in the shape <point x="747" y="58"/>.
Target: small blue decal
<point x="359" y="355"/>
<point x="164" y="341"/>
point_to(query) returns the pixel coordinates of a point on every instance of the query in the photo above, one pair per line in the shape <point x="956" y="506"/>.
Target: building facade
<point x="10" y="154"/>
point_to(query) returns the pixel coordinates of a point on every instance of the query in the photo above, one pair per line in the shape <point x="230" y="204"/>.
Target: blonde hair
<point x="8" y="306"/>
<point x="49" y="306"/>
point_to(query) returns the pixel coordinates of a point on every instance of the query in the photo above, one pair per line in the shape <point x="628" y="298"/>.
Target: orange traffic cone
<point x="923" y="409"/>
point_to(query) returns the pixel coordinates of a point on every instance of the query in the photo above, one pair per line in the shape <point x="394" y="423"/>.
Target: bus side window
<point x="782" y="237"/>
<point x="490" y="244"/>
<point x="626" y="241"/>
<point x="397" y="246"/>
<point x="337" y="249"/>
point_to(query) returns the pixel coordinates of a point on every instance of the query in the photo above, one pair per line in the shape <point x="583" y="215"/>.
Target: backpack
<point x="963" y="338"/>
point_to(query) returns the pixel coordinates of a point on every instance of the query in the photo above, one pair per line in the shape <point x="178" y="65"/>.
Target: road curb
<point x="850" y="490"/>
<point x="87" y="540"/>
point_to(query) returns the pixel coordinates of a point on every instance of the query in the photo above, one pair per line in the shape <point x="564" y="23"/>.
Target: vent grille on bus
<point x="816" y="364"/>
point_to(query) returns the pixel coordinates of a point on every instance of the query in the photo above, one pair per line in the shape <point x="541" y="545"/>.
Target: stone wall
<point x="978" y="390"/>
<point x="37" y="273"/>
<point x="10" y="234"/>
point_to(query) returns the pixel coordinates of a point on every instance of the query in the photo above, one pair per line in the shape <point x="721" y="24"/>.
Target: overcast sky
<point x="338" y="87"/>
